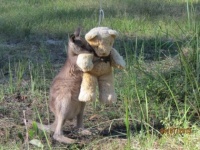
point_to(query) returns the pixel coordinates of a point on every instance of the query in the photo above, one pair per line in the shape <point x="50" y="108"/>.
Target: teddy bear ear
<point x="90" y="36"/>
<point x="113" y="33"/>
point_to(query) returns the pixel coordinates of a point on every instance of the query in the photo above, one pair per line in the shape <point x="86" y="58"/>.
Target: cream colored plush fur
<point x="97" y="72"/>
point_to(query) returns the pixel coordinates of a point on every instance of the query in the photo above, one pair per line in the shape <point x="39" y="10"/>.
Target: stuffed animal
<point x="98" y="66"/>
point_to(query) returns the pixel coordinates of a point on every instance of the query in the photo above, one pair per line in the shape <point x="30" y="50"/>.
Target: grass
<point x="159" y="89"/>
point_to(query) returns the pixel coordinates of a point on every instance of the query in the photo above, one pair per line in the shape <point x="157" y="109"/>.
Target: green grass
<point x="159" y="88"/>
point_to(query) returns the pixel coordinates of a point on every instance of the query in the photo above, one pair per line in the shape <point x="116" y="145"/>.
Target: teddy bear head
<point x="101" y="39"/>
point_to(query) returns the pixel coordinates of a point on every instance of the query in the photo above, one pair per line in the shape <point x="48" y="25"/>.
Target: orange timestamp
<point x="176" y="131"/>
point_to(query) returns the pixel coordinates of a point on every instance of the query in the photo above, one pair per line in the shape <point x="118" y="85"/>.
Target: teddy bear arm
<point x="117" y="60"/>
<point x="88" y="88"/>
<point x="84" y="62"/>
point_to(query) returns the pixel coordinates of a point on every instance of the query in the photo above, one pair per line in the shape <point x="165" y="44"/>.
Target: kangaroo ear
<point x="113" y="33"/>
<point x="77" y="32"/>
<point x="72" y="37"/>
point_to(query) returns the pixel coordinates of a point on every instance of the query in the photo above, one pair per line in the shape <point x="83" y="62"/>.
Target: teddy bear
<point x="98" y="66"/>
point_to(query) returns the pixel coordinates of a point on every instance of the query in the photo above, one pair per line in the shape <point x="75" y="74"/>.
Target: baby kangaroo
<point x="65" y="89"/>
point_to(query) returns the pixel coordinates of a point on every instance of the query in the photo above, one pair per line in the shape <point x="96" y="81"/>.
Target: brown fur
<point x="65" y="90"/>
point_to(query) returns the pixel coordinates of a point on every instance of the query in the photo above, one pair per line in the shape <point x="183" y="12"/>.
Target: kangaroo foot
<point x="63" y="139"/>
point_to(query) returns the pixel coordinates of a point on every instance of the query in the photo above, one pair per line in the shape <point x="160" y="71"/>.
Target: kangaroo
<point x="65" y="90"/>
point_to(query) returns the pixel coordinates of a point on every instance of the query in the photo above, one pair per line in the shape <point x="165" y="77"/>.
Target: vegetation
<point x="158" y="91"/>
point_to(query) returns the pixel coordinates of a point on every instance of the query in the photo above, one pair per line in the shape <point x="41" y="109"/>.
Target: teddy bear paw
<point x="121" y="64"/>
<point x="87" y="67"/>
<point x="84" y="62"/>
<point x="109" y="99"/>
<point x="85" y="97"/>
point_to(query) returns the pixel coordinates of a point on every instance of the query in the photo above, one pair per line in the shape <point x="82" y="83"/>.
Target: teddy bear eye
<point x="97" y="46"/>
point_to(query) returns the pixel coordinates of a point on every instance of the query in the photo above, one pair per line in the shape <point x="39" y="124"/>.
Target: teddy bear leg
<point x="88" y="88"/>
<point x="106" y="89"/>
